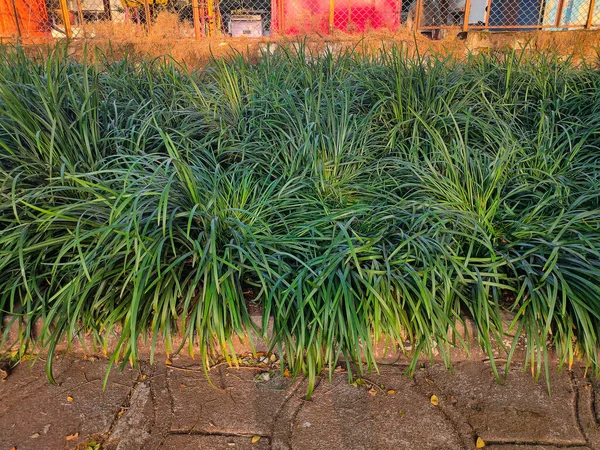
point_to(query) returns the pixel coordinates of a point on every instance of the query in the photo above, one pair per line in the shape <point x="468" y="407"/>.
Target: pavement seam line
<point x="124" y="405"/>
<point x="576" y="404"/>
<point x="453" y="423"/>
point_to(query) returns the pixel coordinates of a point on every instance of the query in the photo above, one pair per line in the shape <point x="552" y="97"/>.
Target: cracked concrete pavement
<point x="175" y="407"/>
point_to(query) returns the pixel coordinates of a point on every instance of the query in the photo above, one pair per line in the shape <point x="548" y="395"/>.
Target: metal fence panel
<point x="29" y="19"/>
<point x="44" y="19"/>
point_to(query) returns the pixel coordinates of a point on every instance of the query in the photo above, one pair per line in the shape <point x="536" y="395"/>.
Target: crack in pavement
<point x="278" y="441"/>
<point x="455" y="418"/>
<point x="216" y="433"/>
<point x="127" y="402"/>
<point x="592" y="435"/>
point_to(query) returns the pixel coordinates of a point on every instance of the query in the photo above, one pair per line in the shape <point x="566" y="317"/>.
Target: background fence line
<point x="33" y="19"/>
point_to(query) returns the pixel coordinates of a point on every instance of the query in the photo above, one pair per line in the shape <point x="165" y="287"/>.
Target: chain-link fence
<point x="501" y="15"/>
<point x="31" y="19"/>
<point x="41" y="19"/>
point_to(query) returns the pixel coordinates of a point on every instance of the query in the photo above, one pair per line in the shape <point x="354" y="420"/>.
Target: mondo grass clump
<point x="354" y="195"/>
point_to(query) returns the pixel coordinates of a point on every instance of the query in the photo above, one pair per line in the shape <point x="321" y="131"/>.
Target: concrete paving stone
<point x="237" y="404"/>
<point x="205" y="442"/>
<point x="37" y="415"/>
<point x="341" y="416"/>
<point x="519" y="410"/>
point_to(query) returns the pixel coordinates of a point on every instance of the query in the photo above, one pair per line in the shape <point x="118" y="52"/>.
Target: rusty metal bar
<point x="203" y="17"/>
<point x="80" y="13"/>
<point x="148" y="14"/>
<point x="196" y="18"/>
<point x="590" y="17"/>
<point x="64" y="10"/>
<point x="503" y="27"/>
<point x="561" y="5"/>
<point x="16" y="17"/>
<point x="331" y="14"/>
<point x="281" y="17"/>
<point x="418" y="15"/>
<point x="488" y="12"/>
<point x="467" y="14"/>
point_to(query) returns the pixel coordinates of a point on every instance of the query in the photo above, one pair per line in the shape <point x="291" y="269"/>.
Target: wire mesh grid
<point x="594" y="16"/>
<point x="323" y="16"/>
<point x="500" y="15"/>
<point x="29" y="19"/>
<point x="132" y="18"/>
<point x="440" y="14"/>
<point x="255" y="18"/>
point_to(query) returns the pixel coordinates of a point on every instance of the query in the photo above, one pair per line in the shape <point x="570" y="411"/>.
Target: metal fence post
<point x="210" y="12"/>
<point x="467" y="14"/>
<point x="16" y="17"/>
<point x="281" y="16"/>
<point x="331" y="11"/>
<point x="148" y="14"/>
<point x="488" y="10"/>
<point x="64" y="10"/>
<point x="418" y="14"/>
<point x="559" y="11"/>
<point x="590" y="17"/>
<point x="79" y="13"/>
<point x="196" y="17"/>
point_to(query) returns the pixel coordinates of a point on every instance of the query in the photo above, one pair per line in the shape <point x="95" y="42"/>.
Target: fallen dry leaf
<point x="168" y="362"/>
<point x="286" y="373"/>
<point x="72" y="437"/>
<point x="255" y="439"/>
<point x="373" y="392"/>
<point x="35" y="435"/>
<point x="434" y="400"/>
<point x="401" y="413"/>
<point x="70" y="399"/>
<point x="480" y="443"/>
<point x="391" y="392"/>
